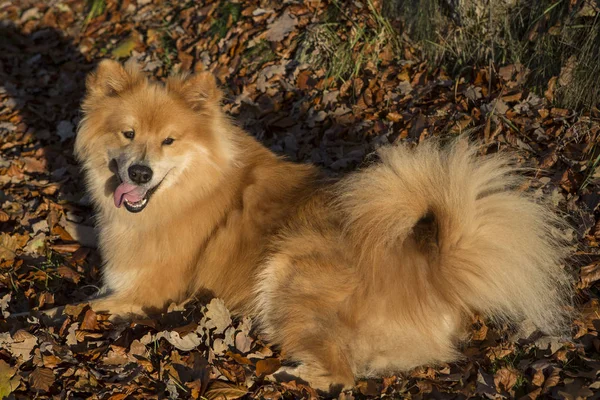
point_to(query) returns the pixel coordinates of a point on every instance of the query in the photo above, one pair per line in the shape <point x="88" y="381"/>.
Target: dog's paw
<point x="316" y="378"/>
<point x="118" y="310"/>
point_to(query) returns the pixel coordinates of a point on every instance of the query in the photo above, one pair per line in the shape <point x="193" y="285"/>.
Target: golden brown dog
<point x="377" y="272"/>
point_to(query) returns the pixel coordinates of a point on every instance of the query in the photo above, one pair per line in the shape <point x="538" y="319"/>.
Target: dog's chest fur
<point x="216" y="245"/>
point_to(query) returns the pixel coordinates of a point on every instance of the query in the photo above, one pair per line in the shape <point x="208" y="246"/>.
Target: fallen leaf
<point x="219" y="390"/>
<point x="74" y="310"/>
<point x="267" y="366"/>
<point x="36" y="245"/>
<point x="90" y="321"/>
<point x="72" y="334"/>
<point x="41" y="379"/>
<point x="218" y="315"/>
<point x="281" y="27"/>
<point x="505" y="378"/>
<point x="23" y="344"/>
<point x="4" y="302"/>
<point x="126" y="46"/>
<point x="68" y="273"/>
<point x="588" y="275"/>
<point x="8" y="246"/>
<point x="186" y="343"/>
<point x="243" y="343"/>
<point x="7" y="383"/>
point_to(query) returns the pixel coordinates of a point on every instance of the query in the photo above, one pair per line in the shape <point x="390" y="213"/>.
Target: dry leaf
<point x="8" y="247"/>
<point x="505" y="378"/>
<point x="8" y="380"/>
<point x="588" y="275"/>
<point x="68" y="273"/>
<point x="281" y="27"/>
<point x="267" y="366"/>
<point x="74" y="310"/>
<point x="90" y="321"/>
<point x="219" y="390"/>
<point x="218" y="315"/>
<point x="22" y="344"/>
<point x="41" y="379"/>
<point x="185" y="343"/>
<point x="4" y="302"/>
<point x="126" y="46"/>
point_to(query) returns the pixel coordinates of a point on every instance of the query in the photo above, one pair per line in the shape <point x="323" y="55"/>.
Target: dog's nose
<point x="140" y="174"/>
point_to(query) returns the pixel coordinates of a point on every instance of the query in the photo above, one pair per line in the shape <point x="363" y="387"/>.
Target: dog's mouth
<point x="134" y="198"/>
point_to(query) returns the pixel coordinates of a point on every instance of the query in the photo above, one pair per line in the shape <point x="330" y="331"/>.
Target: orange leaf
<point x="267" y="366"/>
<point x="90" y="322"/>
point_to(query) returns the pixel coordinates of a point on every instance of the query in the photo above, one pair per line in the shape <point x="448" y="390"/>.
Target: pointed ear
<point x="111" y="78"/>
<point x="198" y="90"/>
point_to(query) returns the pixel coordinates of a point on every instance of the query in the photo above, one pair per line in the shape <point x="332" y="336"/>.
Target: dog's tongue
<point x="129" y="192"/>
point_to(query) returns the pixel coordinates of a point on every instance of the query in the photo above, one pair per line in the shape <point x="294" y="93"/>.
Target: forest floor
<point x="314" y="81"/>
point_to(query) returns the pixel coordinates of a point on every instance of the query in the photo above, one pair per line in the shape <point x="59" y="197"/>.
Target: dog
<point x="377" y="272"/>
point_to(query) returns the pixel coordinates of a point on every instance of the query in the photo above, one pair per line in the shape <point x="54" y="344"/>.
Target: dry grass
<point x="342" y="45"/>
<point x="552" y="38"/>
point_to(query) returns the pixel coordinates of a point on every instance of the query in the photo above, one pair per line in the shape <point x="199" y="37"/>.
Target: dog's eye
<point x="129" y="134"/>
<point x="168" y="141"/>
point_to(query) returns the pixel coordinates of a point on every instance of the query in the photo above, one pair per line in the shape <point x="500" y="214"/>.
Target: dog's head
<point x="142" y="136"/>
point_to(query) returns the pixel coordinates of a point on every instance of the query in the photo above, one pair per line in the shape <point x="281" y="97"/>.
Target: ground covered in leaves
<point x="328" y="96"/>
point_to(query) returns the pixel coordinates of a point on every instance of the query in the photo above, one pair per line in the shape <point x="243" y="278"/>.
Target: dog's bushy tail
<point x="496" y="249"/>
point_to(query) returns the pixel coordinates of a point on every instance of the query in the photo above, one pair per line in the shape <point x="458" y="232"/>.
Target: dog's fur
<point x="377" y="272"/>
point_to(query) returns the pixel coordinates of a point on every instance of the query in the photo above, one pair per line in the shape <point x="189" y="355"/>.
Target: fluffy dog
<point x="374" y="273"/>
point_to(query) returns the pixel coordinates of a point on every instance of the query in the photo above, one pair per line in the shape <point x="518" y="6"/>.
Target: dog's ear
<point x="111" y="78"/>
<point x="198" y="90"/>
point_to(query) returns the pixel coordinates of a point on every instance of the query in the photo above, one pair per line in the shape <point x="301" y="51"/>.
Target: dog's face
<point x="146" y="134"/>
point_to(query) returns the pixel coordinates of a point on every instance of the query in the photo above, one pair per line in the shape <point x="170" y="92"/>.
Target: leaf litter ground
<point x="301" y="110"/>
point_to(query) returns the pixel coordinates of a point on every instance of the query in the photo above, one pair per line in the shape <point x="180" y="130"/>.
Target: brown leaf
<point x="74" y="310"/>
<point x="90" y="321"/>
<point x="507" y="72"/>
<point x="549" y="93"/>
<point x="512" y="97"/>
<point x="68" y="273"/>
<point x="538" y="378"/>
<point x="303" y="80"/>
<point x="224" y="391"/>
<point x="480" y="329"/>
<point x="553" y="379"/>
<point x="186" y="61"/>
<point x="62" y="233"/>
<point x="50" y="361"/>
<point x="588" y="275"/>
<point x="41" y="379"/>
<point x="267" y="366"/>
<point x="506" y="378"/>
<point x="560" y="112"/>
<point x="66" y="248"/>
<point x="394" y="117"/>
<point x="8" y="247"/>
<point x="23" y="344"/>
<point x="281" y="27"/>
<point x="33" y="165"/>
<point x="45" y="298"/>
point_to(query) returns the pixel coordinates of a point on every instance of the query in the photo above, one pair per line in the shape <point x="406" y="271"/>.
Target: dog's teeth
<point x="138" y="204"/>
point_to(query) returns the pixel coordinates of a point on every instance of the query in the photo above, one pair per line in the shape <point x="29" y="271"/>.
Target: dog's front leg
<point x="117" y="307"/>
